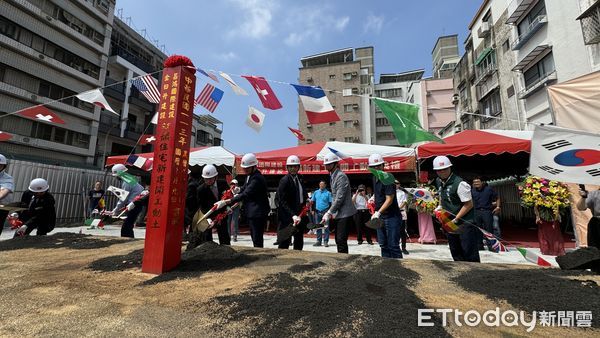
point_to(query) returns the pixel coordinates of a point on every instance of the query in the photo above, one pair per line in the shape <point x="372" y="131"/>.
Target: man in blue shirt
<point x="322" y="201"/>
<point x="386" y="208"/>
<point x="483" y="197"/>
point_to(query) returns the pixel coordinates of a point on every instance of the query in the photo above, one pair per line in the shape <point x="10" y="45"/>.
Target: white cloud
<point x="341" y="23"/>
<point x="228" y="56"/>
<point x="257" y="18"/>
<point x="309" y="23"/>
<point x="373" y="23"/>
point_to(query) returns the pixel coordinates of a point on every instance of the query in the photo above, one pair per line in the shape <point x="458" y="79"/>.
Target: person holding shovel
<point x="292" y="196"/>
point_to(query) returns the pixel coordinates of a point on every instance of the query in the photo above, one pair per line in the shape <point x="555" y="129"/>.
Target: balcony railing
<point x="485" y="72"/>
<point x="534" y="87"/>
<point x="590" y="24"/>
<point x="533" y="27"/>
<point x="483" y="88"/>
<point x="136" y="61"/>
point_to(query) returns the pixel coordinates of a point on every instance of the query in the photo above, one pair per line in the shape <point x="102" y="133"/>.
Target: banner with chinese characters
<point x="162" y="251"/>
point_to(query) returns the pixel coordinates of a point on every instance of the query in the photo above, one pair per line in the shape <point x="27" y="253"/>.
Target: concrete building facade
<point x="49" y="52"/>
<point x="445" y="56"/>
<point x="437" y="110"/>
<point x="346" y="75"/>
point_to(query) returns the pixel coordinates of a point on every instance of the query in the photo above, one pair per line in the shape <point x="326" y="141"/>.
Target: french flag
<point x="316" y="105"/>
<point x="140" y="162"/>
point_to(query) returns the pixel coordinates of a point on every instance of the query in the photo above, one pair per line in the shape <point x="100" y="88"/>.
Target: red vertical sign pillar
<point x="168" y="186"/>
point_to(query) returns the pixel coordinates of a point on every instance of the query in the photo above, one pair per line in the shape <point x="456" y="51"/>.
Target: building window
<point x="505" y="46"/>
<point x="538" y="10"/>
<point x="538" y="71"/>
<point x="347" y="76"/>
<point x="348" y="108"/>
<point x="348" y="124"/>
<point x="349" y="139"/>
<point x="385" y="93"/>
<point x="381" y="122"/>
<point x="347" y="92"/>
<point x="590" y="24"/>
<point x="331" y="76"/>
<point x="332" y="139"/>
<point x="75" y="23"/>
<point x="308" y="141"/>
<point x="387" y="135"/>
<point x="332" y="123"/>
<point x="364" y="79"/>
<point x="490" y="106"/>
<point x="510" y="91"/>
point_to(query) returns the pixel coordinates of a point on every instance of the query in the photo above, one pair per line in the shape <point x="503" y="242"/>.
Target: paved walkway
<point x="417" y="251"/>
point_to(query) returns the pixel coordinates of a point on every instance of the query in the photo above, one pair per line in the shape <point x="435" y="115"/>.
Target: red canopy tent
<point x="479" y="142"/>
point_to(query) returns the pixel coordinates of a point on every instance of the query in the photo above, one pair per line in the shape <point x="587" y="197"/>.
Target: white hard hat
<point x="375" y="160"/>
<point x="209" y="171"/>
<point x="331" y="158"/>
<point x="2" y="159"/>
<point x="117" y="168"/>
<point x="292" y="160"/>
<point x="233" y="181"/>
<point x="441" y="162"/>
<point x="38" y="185"/>
<point x="249" y="160"/>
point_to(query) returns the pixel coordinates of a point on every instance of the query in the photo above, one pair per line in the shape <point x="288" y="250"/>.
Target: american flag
<point x="145" y="84"/>
<point x="209" y="74"/>
<point x="209" y="97"/>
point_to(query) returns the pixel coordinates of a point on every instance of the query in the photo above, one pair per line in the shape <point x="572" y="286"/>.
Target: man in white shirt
<point x="403" y="205"/>
<point x="362" y="216"/>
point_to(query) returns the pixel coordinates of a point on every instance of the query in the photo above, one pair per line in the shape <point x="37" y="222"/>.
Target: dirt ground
<point x="77" y="285"/>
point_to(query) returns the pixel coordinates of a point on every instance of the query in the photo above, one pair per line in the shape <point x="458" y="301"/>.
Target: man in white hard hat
<point x="133" y="189"/>
<point x="7" y="186"/>
<point x="386" y="208"/>
<point x="342" y="209"/>
<point x="209" y="192"/>
<point x="255" y="196"/>
<point x="291" y="197"/>
<point x="455" y="197"/>
<point x="41" y="213"/>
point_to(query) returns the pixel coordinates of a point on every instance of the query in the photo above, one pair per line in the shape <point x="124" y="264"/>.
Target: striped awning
<point x="483" y="54"/>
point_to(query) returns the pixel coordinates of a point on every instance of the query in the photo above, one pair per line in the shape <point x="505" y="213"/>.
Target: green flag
<point x="404" y="119"/>
<point x="385" y="178"/>
<point x="127" y="177"/>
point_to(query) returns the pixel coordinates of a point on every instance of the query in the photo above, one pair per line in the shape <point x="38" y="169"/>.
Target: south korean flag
<point x="565" y="155"/>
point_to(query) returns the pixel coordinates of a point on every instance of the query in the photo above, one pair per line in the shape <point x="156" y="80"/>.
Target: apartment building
<point x="445" y="56"/>
<point x="206" y="131"/>
<point x="514" y="51"/>
<point x="346" y="75"/>
<point x="48" y="51"/>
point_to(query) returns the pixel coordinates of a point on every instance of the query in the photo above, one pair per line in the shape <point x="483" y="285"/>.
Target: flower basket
<point x="549" y="197"/>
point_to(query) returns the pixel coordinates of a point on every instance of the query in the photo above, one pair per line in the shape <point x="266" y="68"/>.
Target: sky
<point x="267" y="38"/>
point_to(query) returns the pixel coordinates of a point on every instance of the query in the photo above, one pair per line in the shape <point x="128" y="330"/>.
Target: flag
<point x="255" y="119"/>
<point x="234" y="86"/>
<point x="533" y="258"/>
<point x="41" y="113"/>
<point x="209" y="97"/>
<point x="446" y="220"/>
<point x="316" y="104"/>
<point x="342" y="155"/>
<point x="404" y="119"/>
<point x="93" y="223"/>
<point x="497" y="246"/>
<point x="154" y="118"/>
<point x="385" y="178"/>
<point x="140" y="162"/>
<point x="5" y="136"/>
<point x="94" y="96"/>
<point x="146" y="85"/>
<point x="127" y="177"/>
<point x="121" y="194"/>
<point x="264" y="92"/>
<point x="420" y="193"/>
<point x="208" y="74"/>
<point x="146" y="139"/>
<point x="297" y="133"/>
<point x="565" y="155"/>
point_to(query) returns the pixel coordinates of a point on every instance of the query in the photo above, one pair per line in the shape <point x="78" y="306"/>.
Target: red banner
<point x="164" y="228"/>
<point x="356" y="166"/>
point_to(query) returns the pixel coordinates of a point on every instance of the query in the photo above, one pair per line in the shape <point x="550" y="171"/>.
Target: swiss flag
<point x="297" y="133"/>
<point x="41" y="113"/>
<point x="264" y="92"/>
<point x="146" y="139"/>
<point x="5" y="136"/>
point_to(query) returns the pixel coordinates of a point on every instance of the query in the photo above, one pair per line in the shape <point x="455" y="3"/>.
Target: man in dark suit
<point x="41" y="212"/>
<point x="208" y="194"/>
<point x="191" y="202"/>
<point x="255" y="197"/>
<point x="292" y="195"/>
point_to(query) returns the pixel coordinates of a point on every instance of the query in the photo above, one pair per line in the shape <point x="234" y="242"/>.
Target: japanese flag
<point x="565" y="155"/>
<point x="255" y="119"/>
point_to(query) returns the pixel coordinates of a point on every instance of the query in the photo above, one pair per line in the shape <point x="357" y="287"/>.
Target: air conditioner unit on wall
<point x="484" y="30"/>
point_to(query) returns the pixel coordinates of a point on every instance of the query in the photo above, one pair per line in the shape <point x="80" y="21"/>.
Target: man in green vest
<point x="455" y="197"/>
